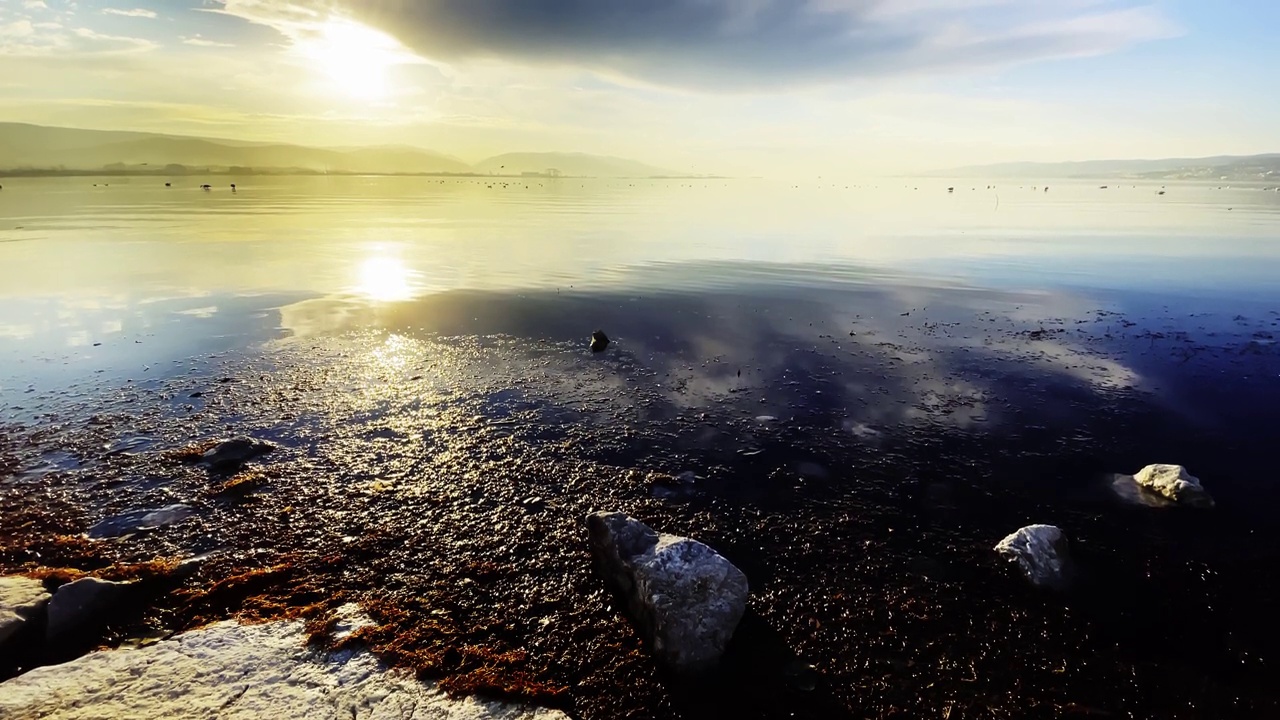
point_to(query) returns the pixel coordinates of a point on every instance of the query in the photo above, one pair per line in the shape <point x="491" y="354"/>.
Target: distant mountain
<point x="33" y="146"/>
<point x="35" y="149"/>
<point x="575" y="164"/>
<point x="1262" y="168"/>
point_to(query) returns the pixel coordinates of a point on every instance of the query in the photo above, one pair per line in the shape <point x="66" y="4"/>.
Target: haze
<point x="746" y="87"/>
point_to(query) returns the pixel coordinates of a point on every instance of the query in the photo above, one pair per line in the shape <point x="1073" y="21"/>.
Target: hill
<point x="34" y="146"/>
<point x="36" y="149"/>
<point x="1262" y="168"/>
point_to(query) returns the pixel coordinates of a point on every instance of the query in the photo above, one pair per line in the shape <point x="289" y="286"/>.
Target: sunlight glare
<point x="385" y="279"/>
<point x="355" y="58"/>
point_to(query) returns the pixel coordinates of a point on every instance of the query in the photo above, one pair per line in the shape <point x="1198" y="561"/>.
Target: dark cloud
<point x="736" y="44"/>
<point x="697" y="42"/>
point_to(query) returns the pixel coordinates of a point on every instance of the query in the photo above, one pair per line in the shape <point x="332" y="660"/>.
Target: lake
<point x="852" y="390"/>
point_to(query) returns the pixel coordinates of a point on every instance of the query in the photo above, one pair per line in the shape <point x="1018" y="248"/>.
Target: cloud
<point x="134" y="13"/>
<point x="51" y="40"/>
<point x="34" y="5"/>
<point x="16" y="29"/>
<point x="199" y="41"/>
<point x="113" y="42"/>
<point x="737" y="44"/>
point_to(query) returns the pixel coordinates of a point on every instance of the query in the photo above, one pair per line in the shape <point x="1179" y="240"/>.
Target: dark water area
<point x="856" y="436"/>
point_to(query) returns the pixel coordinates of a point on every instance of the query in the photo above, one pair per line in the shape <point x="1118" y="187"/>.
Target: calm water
<point x="869" y="384"/>
<point x="189" y="271"/>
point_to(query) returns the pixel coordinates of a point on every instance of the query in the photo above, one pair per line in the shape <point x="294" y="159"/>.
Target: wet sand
<point x="857" y="452"/>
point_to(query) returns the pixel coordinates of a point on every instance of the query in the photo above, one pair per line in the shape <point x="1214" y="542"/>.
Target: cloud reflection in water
<point x="871" y="355"/>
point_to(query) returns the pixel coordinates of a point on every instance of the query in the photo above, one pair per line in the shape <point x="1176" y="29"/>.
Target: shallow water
<point x="853" y="392"/>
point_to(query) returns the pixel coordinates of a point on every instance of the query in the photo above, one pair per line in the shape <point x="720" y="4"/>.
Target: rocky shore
<point x="445" y="494"/>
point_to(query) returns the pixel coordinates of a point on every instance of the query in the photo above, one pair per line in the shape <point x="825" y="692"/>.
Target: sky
<point x="768" y="87"/>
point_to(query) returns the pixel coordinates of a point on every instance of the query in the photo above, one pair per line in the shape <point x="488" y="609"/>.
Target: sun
<point x="356" y="59"/>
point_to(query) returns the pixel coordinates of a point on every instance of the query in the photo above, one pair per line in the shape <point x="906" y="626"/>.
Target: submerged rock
<point x="230" y="454"/>
<point x="1041" y="552"/>
<point x="82" y="604"/>
<point x="662" y="485"/>
<point x="228" y="671"/>
<point x="599" y="341"/>
<point x="140" y="520"/>
<point x="1174" y="483"/>
<point x="22" y="604"/>
<point x="685" y="598"/>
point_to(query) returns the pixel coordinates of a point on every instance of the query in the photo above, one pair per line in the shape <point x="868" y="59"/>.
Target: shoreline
<point x="302" y="172"/>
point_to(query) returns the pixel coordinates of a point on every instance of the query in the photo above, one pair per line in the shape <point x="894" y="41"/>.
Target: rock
<point x="139" y="520"/>
<point x="350" y="619"/>
<point x="599" y="341"/>
<point x="1174" y="483"/>
<point x="1041" y="551"/>
<point x="685" y="598"/>
<point x="230" y="454"/>
<point x="662" y="485"/>
<point x="1128" y="490"/>
<point x="230" y="671"/>
<point x="80" y="605"/>
<point x="22" y="604"/>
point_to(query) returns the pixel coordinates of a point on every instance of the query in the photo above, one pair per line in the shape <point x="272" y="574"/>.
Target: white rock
<point x="22" y="600"/>
<point x="228" y="670"/>
<point x="1175" y="483"/>
<point x="80" y="604"/>
<point x="1041" y="552"/>
<point x="686" y="598"/>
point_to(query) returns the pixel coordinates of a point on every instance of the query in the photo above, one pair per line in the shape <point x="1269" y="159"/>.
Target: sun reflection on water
<point x="385" y="279"/>
<point x="394" y="354"/>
